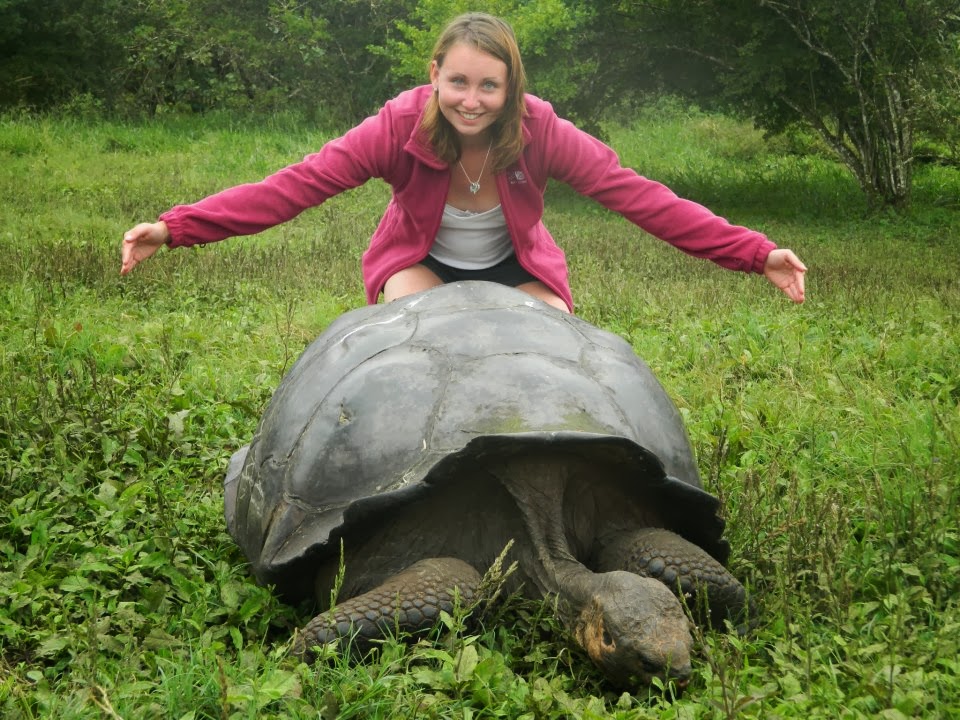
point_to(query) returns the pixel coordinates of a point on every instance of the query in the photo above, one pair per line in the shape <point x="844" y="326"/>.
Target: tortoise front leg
<point x="408" y="602"/>
<point x="706" y="586"/>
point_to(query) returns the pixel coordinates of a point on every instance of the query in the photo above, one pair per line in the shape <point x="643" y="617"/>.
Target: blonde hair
<point x="494" y="37"/>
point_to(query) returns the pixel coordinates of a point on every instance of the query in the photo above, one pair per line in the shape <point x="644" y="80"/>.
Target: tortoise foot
<point x="409" y="602"/>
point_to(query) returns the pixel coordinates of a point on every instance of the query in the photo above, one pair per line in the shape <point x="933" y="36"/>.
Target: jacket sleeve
<point x="594" y="170"/>
<point x="366" y="151"/>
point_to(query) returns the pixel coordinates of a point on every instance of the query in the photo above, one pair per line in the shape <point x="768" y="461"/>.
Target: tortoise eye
<point x="607" y="640"/>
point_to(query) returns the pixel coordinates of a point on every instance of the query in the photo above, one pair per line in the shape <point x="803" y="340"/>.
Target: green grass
<point x="829" y="430"/>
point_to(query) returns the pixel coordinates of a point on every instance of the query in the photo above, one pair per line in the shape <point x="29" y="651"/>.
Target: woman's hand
<point x="785" y="270"/>
<point x="142" y="241"/>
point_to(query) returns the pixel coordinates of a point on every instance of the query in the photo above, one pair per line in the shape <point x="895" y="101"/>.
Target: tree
<point x="51" y="50"/>
<point x="937" y="96"/>
<point x="848" y="69"/>
<point x="144" y="56"/>
<point x="198" y="55"/>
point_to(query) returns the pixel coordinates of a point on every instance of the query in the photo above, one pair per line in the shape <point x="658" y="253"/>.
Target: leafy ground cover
<point x="829" y="430"/>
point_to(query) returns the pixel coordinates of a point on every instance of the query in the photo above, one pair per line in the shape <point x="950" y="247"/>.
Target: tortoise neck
<point x="538" y="487"/>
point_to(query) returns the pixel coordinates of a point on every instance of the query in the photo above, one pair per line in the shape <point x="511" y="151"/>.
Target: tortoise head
<point x="635" y="630"/>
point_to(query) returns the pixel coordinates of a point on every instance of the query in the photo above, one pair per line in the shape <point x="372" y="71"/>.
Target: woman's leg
<point x="418" y="277"/>
<point x="408" y="281"/>
<point x="542" y="292"/>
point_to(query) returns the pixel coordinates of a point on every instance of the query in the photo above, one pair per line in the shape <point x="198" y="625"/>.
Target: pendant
<point x="474" y="187"/>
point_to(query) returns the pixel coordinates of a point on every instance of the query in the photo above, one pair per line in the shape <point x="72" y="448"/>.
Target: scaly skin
<point x="708" y="588"/>
<point x="409" y="602"/>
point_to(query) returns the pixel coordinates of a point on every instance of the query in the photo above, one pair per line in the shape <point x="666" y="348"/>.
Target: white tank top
<point x="472" y="241"/>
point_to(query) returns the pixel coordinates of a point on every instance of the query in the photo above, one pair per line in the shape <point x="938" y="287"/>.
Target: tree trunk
<point x="880" y="147"/>
<point x="873" y="136"/>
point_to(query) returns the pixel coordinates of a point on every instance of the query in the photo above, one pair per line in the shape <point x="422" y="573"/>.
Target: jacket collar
<point x="418" y="145"/>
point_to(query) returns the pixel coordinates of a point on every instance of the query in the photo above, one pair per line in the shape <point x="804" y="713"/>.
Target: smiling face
<point x="472" y="91"/>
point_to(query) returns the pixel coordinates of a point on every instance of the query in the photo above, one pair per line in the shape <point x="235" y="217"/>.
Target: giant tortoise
<point x="418" y="438"/>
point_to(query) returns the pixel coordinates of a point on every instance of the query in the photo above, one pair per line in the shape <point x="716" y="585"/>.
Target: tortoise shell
<point x="393" y="397"/>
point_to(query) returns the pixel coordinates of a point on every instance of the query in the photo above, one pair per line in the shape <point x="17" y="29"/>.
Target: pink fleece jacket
<point x="389" y="145"/>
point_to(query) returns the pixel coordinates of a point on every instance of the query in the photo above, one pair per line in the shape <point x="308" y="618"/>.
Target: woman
<point x="468" y="158"/>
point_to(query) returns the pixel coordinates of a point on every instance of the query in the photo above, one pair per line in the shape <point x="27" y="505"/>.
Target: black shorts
<point x="506" y="272"/>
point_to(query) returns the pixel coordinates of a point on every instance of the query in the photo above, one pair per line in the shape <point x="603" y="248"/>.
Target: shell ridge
<point x="608" y="391"/>
<point x="429" y="435"/>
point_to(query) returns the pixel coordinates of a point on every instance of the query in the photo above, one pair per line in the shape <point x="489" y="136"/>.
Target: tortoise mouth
<point x="671" y="680"/>
<point x="644" y="673"/>
<point x="677" y="678"/>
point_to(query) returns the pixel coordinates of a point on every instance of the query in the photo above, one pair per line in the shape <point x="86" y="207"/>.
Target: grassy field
<point x="829" y="430"/>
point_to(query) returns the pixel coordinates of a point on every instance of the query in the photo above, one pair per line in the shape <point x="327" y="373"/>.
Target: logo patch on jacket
<point x="516" y="177"/>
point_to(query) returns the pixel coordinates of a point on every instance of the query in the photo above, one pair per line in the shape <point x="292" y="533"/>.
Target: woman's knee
<point x="408" y="281"/>
<point x="542" y="292"/>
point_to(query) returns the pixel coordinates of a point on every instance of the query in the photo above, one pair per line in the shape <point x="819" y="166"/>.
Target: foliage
<point x="864" y="76"/>
<point x="54" y="48"/>
<point x="155" y="56"/>
<point x="199" y="55"/>
<point x="829" y="430"/>
<point x="851" y="71"/>
<point x="937" y="94"/>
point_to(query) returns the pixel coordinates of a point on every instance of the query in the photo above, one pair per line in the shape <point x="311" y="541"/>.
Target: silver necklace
<point x="475" y="184"/>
